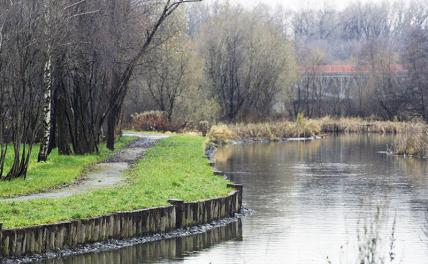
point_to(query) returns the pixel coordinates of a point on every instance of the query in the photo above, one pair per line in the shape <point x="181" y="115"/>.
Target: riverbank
<point x="172" y="188"/>
<point x="301" y="129"/>
<point x="175" y="168"/>
<point x="49" y="240"/>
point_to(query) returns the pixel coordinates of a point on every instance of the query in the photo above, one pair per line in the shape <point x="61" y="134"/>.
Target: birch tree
<point x="47" y="81"/>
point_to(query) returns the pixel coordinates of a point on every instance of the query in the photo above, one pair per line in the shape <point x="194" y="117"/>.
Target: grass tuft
<point x="412" y="141"/>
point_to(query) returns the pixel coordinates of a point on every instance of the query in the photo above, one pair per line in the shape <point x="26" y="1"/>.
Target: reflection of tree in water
<point x="255" y="162"/>
<point x="324" y="182"/>
<point x="173" y="249"/>
<point x="414" y="169"/>
<point x="266" y="152"/>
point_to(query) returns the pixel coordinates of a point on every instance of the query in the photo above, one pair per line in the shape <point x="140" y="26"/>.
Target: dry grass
<point x="358" y="125"/>
<point x="304" y="128"/>
<point x="412" y="140"/>
<point x="222" y="134"/>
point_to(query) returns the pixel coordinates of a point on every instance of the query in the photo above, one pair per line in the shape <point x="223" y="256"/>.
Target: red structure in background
<point x="347" y="69"/>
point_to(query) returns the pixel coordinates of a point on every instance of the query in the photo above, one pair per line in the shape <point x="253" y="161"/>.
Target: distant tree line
<point x="246" y="64"/>
<point x="370" y="35"/>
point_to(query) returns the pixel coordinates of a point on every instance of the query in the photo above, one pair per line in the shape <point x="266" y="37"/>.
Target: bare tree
<point x="166" y="71"/>
<point x="417" y="58"/>
<point x="121" y="86"/>
<point x="21" y="82"/>
<point x="245" y="54"/>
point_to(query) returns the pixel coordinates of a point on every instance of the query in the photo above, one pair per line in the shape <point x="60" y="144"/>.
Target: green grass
<point x="57" y="171"/>
<point x="175" y="168"/>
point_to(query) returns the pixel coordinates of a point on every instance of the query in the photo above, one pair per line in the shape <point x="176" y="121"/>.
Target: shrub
<point x="412" y="141"/>
<point x="203" y="127"/>
<point x="221" y="134"/>
<point x="150" y="121"/>
<point x="303" y="127"/>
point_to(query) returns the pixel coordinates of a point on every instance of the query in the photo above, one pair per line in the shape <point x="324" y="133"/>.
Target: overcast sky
<point x="297" y="4"/>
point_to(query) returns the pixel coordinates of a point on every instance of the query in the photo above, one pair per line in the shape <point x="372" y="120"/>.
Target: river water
<point x="311" y="201"/>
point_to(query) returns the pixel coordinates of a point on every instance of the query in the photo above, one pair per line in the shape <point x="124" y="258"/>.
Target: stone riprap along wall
<point x="123" y="225"/>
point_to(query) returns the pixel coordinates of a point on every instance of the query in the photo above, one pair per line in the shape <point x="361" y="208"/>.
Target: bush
<point x="221" y="134"/>
<point x="203" y="127"/>
<point x="150" y="121"/>
<point x="304" y="128"/>
<point x="412" y="141"/>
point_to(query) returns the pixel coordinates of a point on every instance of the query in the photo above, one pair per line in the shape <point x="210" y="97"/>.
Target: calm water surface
<point x="310" y="201"/>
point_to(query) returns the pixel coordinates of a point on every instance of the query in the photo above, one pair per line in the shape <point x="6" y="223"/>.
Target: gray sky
<point x="297" y="4"/>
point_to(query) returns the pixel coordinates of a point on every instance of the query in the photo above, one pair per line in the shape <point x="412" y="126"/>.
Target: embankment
<point x="122" y="225"/>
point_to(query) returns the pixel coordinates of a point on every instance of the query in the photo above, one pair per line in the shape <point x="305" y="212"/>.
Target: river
<point x="312" y="202"/>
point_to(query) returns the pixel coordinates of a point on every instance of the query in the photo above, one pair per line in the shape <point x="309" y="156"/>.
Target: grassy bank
<point x="302" y="127"/>
<point x="175" y="168"/>
<point x="57" y="171"/>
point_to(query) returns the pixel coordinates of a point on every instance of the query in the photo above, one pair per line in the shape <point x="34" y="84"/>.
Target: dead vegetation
<point x="411" y="137"/>
<point x="412" y="141"/>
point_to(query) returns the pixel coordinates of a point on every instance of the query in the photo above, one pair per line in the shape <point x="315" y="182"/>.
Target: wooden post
<point x="179" y="206"/>
<point x="1" y="240"/>
<point x="240" y="189"/>
<point x="218" y="173"/>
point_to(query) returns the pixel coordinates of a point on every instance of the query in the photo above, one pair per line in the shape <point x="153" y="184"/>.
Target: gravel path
<point x="106" y="174"/>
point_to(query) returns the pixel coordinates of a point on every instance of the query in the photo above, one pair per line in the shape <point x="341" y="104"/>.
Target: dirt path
<point x="106" y="174"/>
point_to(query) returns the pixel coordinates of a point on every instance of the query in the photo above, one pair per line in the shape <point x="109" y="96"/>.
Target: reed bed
<point x="306" y="128"/>
<point x="301" y="128"/>
<point x="412" y="141"/>
<point x="358" y="125"/>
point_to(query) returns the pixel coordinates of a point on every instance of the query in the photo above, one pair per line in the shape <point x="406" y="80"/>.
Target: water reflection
<point x="161" y="251"/>
<point x="309" y="198"/>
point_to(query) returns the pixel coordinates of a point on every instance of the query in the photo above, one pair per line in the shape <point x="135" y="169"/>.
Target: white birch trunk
<point x="47" y="83"/>
<point x="47" y="108"/>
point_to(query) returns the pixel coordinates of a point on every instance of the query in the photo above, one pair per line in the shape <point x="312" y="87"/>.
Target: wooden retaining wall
<point x="123" y="225"/>
<point x="173" y="248"/>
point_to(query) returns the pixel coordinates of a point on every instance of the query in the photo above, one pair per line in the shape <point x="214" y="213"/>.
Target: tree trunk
<point x="53" y="132"/>
<point x="61" y="120"/>
<point x="44" y="144"/>
<point x="47" y="85"/>
<point x="111" y="127"/>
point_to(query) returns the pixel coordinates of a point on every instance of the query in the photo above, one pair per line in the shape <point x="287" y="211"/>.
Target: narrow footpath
<point x="105" y="174"/>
